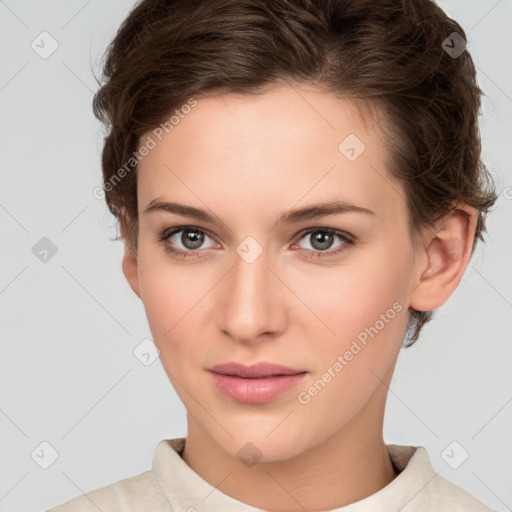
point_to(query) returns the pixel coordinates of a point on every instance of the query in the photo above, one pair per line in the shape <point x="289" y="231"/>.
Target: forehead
<point x="286" y="145"/>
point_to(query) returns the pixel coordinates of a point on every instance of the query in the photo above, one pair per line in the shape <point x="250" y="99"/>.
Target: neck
<point x="344" y="468"/>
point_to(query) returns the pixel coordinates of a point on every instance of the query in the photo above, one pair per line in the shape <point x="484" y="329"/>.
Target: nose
<point x="251" y="305"/>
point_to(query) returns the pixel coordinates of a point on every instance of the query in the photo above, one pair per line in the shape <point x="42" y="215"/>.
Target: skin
<point x="246" y="159"/>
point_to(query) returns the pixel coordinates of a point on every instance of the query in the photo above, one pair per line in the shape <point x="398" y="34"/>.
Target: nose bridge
<point x="250" y="306"/>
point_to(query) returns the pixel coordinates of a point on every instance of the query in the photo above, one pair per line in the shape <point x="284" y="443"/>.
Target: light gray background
<point x="69" y="326"/>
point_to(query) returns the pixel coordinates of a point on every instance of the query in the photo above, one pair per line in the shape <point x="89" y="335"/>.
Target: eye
<point x="323" y="239"/>
<point x="191" y="239"/>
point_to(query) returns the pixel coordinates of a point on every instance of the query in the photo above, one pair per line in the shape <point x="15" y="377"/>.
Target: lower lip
<point x="255" y="391"/>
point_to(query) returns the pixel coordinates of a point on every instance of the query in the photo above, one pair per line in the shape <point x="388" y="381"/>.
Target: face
<point x="325" y="295"/>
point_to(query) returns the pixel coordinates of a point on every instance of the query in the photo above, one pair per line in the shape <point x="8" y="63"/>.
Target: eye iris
<point x="194" y="237"/>
<point x="324" y="238"/>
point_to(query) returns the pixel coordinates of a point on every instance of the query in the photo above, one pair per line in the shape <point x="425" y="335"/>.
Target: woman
<point x="298" y="186"/>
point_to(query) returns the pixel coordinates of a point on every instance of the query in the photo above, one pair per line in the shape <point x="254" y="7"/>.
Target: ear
<point x="446" y="255"/>
<point x="129" y="264"/>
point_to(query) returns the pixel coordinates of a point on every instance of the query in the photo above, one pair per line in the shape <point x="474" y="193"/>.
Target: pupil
<point x="192" y="237"/>
<point x="324" y="239"/>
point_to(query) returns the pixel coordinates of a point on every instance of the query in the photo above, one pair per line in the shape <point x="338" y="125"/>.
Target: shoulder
<point x="419" y="488"/>
<point x="444" y="495"/>
<point x="139" y="492"/>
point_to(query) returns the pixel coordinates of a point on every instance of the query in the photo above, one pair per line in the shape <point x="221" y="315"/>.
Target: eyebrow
<point x="290" y="217"/>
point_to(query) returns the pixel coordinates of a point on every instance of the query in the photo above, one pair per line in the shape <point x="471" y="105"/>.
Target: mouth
<point x="255" y="371"/>
<point x="256" y="384"/>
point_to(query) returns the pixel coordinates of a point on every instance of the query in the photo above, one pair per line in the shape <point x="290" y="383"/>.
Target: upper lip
<point x="263" y="369"/>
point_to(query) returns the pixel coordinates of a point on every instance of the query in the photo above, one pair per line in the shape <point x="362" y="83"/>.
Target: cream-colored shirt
<point x="172" y="486"/>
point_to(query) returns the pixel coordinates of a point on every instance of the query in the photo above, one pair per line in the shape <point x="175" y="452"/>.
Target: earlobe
<point x="448" y="251"/>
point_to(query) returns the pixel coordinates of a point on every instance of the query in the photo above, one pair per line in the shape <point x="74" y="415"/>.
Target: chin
<point x="282" y="444"/>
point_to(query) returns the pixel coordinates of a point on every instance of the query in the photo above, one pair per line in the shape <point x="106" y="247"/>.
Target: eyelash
<point x="166" y="234"/>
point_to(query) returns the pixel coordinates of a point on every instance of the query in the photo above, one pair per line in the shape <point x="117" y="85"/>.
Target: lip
<point x="262" y="369"/>
<point x="256" y="384"/>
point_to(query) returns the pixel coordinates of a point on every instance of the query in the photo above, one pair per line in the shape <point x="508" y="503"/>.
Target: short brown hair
<point x="391" y="54"/>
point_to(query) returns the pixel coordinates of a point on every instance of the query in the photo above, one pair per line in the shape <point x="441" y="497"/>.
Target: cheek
<point x="362" y="304"/>
<point x="345" y="300"/>
<point x="363" y="318"/>
<point x="171" y="295"/>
